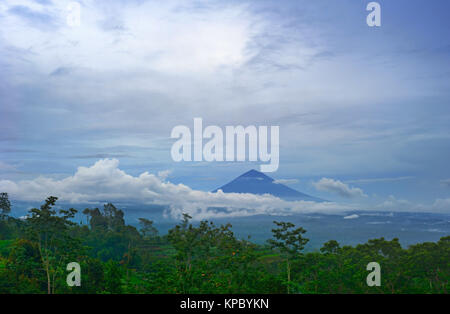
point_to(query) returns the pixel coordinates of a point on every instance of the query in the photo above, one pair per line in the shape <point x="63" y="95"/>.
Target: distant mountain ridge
<point x="256" y="182"/>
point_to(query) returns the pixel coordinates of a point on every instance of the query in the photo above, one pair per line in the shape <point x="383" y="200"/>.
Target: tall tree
<point x="289" y="241"/>
<point x="50" y="231"/>
<point x="148" y="230"/>
<point x="5" y="205"/>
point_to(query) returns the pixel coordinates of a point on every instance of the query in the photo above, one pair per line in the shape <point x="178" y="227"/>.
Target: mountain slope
<point x="256" y="182"/>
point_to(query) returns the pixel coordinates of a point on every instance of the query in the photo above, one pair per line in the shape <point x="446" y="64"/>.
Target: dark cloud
<point x="41" y="20"/>
<point x="61" y="71"/>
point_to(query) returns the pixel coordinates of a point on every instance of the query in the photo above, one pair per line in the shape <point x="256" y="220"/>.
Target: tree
<point x="24" y="274"/>
<point x="148" y="231"/>
<point x="50" y="232"/>
<point x="330" y="247"/>
<point x="112" y="219"/>
<point x="5" y="205"/>
<point x="203" y="252"/>
<point x="289" y="242"/>
<point x="113" y="277"/>
<point x="6" y="223"/>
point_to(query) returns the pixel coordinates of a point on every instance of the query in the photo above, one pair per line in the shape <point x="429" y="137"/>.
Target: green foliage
<point x="289" y="241"/>
<point x="113" y="277"/>
<point x="330" y="247"/>
<point x="49" y="232"/>
<point x="5" y="209"/>
<point x="5" y="205"/>
<point x="23" y="271"/>
<point x="148" y="231"/>
<point x="200" y="258"/>
<point x="5" y="247"/>
<point x="199" y="251"/>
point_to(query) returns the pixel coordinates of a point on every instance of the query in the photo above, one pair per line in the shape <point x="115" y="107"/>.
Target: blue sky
<point x="367" y="108"/>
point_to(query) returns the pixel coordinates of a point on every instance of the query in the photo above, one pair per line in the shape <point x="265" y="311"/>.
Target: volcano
<point x="256" y="182"/>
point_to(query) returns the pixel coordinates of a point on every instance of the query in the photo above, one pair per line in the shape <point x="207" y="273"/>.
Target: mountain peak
<point x="255" y="182"/>
<point x="255" y="174"/>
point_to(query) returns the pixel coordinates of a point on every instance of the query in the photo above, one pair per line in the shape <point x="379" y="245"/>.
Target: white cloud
<point x="165" y="36"/>
<point x="376" y="180"/>
<point x="285" y="181"/>
<point x="136" y="69"/>
<point x="164" y="174"/>
<point x="104" y="181"/>
<point x="338" y="187"/>
<point x="392" y="203"/>
<point x="121" y="67"/>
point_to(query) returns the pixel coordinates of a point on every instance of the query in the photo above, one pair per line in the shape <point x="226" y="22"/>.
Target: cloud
<point x="338" y="187"/>
<point x="445" y="182"/>
<point x="376" y="180"/>
<point x="164" y="174"/>
<point x="392" y="203"/>
<point x="167" y="37"/>
<point x="61" y="71"/>
<point x="135" y="69"/>
<point x="5" y="166"/>
<point x="104" y="181"/>
<point x="354" y="216"/>
<point x="32" y="17"/>
<point x="285" y="181"/>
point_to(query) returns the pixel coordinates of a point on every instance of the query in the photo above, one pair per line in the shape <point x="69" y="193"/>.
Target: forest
<point x="199" y="258"/>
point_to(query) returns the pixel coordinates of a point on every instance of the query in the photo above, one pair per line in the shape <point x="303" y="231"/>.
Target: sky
<point x="86" y="111"/>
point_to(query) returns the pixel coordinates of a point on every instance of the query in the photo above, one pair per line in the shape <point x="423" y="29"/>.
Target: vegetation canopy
<point x="198" y="258"/>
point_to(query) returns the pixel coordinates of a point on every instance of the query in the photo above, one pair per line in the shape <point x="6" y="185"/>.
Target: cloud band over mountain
<point x="105" y="181"/>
